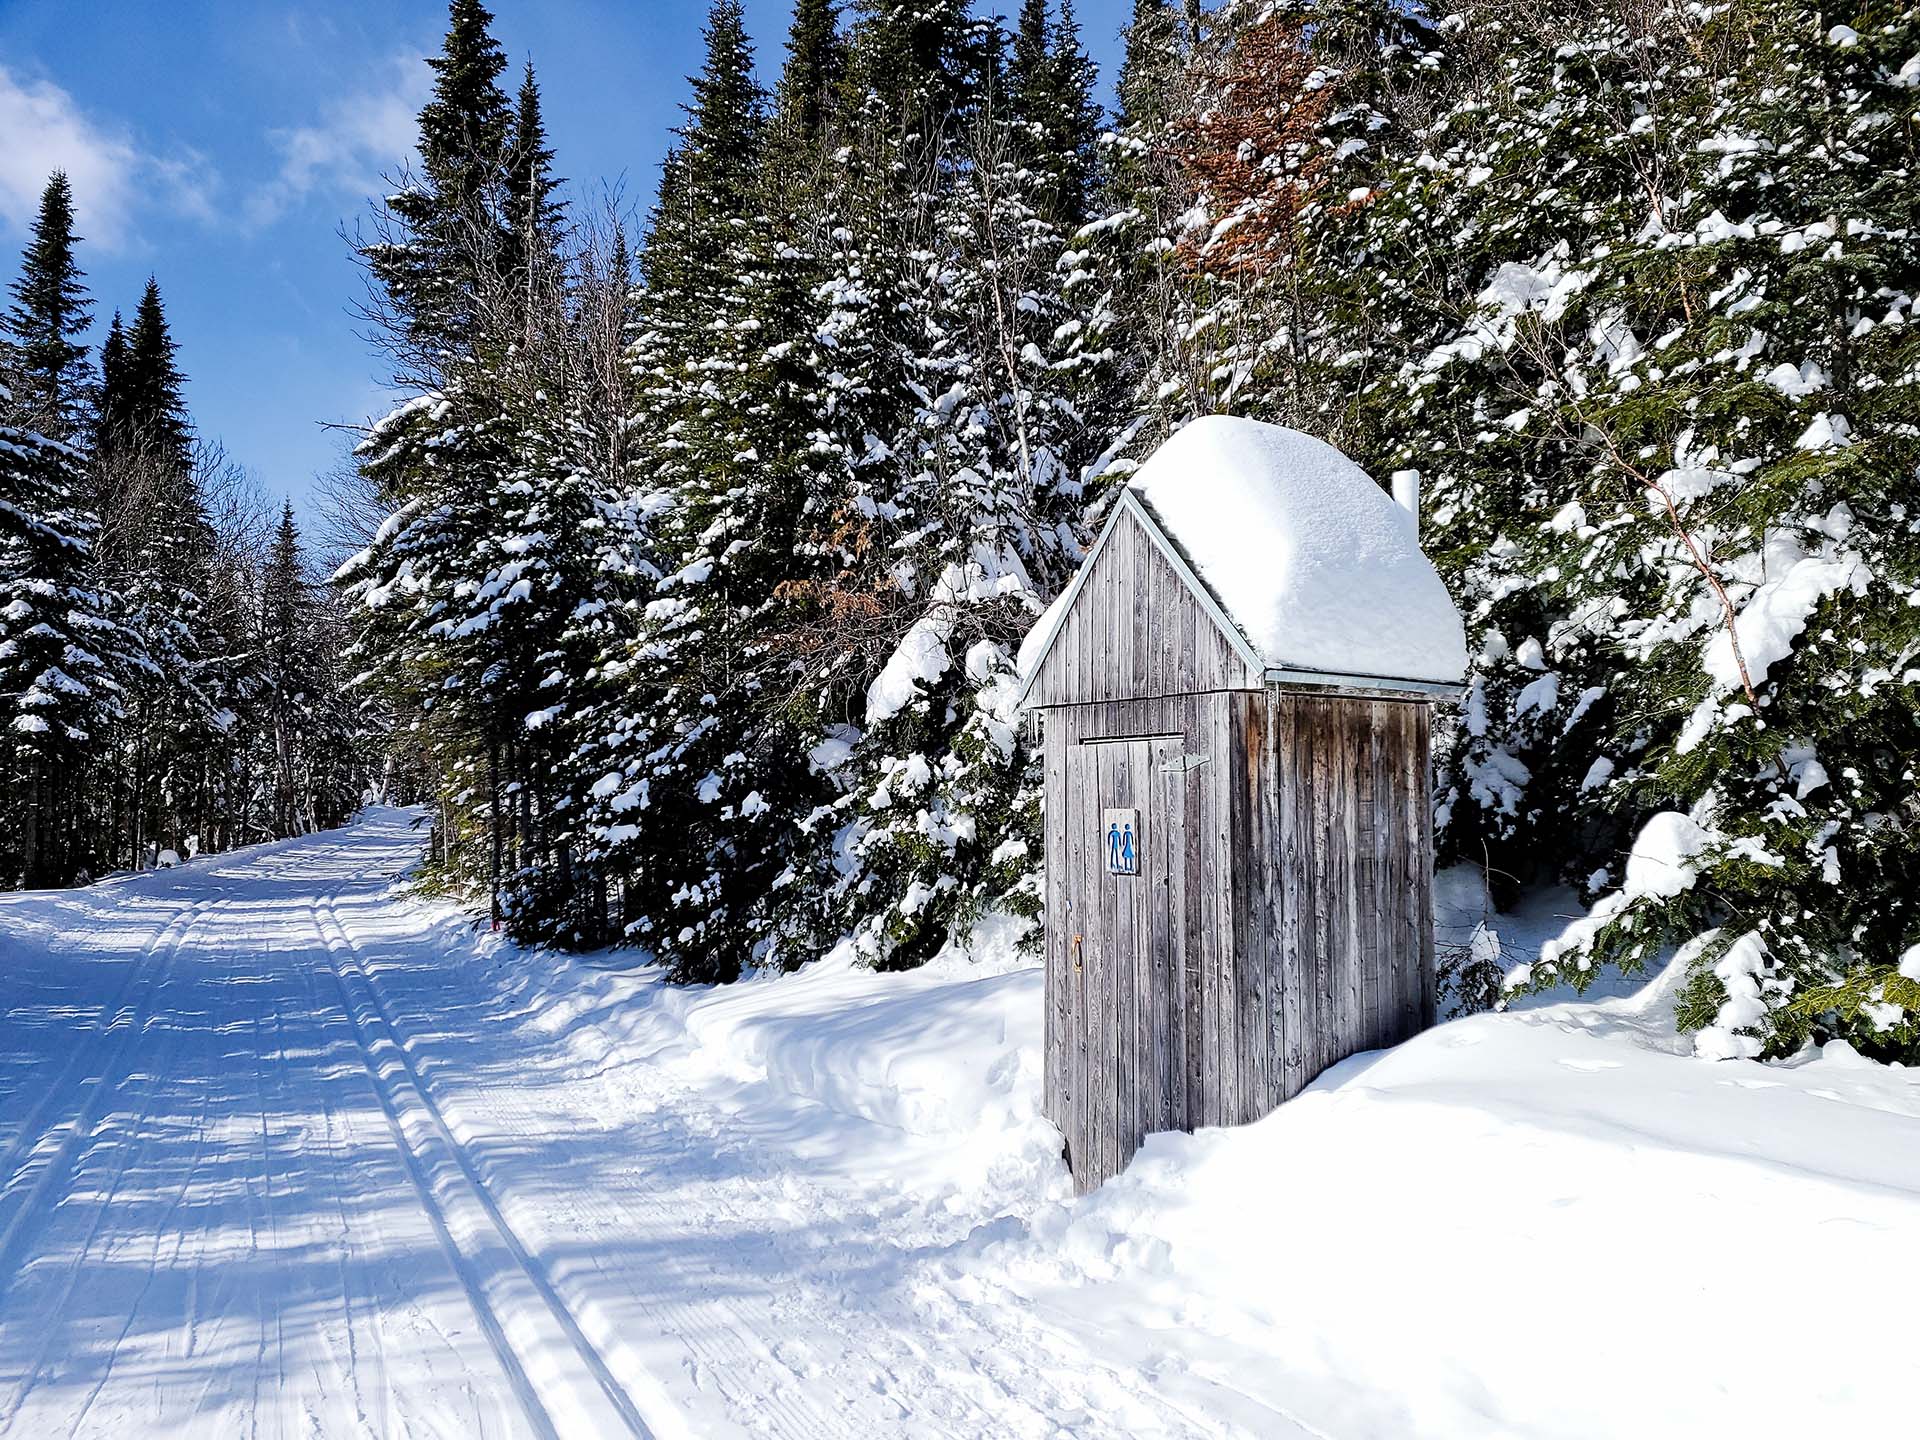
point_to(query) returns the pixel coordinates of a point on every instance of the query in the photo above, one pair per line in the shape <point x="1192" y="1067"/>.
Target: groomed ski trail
<point x="284" y="1151"/>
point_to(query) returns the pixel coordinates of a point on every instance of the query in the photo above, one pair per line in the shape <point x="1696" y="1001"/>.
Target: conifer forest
<point x="692" y="567"/>
<point x="1064" y="719"/>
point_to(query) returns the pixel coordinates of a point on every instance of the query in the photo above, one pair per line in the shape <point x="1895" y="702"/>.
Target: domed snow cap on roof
<point x="1315" y="563"/>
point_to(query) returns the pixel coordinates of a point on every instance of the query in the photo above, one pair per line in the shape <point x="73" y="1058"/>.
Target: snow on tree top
<point x="1314" y="562"/>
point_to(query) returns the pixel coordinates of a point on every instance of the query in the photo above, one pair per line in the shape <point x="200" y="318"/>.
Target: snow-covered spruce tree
<point x="470" y="590"/>
<point x="546" y="579"/>
<point x="438" y="232"/>
<point x="156" y="555"/>
<point x="45" y="362"/>
<point x="618" y="564"/>
<point x="695" y="787"/>
<point x="300" y="720"/>
<point x="1000" y="448"/>
<point x="338" y="753"/>
<point x="1595" y="263"/>
<point x="972" y="515"/>
<point x="432" y="460"/>
<point x="1129" y="293"/>
<point x="56" y="690"/>
<point x="909" y="74"/>
<point x="1748" y="409"/>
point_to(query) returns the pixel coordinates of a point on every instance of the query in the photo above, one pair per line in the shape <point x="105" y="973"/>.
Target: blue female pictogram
<point x="1126" y="850"/>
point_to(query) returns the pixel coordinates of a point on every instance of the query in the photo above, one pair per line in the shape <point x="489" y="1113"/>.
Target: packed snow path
<point x="287" y="1151"/>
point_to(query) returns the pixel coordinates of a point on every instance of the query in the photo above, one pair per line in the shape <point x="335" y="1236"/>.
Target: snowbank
<point x="926" y="1082"/>
<point x="1314" y="562"/>
<point x="1553" y="1223"/>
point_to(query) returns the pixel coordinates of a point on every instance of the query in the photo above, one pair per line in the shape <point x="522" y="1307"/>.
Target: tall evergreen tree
<point x="160" y="565"/>
<point x="476" y="599"/>
<point x="533" y="214"/>
<point x="1132" y="303"/>
<point x="149" y="391"/>
<point x="56" y="690"/>
<point x="285" y="626"/>
<point x="704" y="782"/>
<point x="443" y="255"/>
<point x="448" y="231"/>
<point x="812" y="75"/>
<point x="49" y="311"/>
<point x="110" y="416"/>
<point x="1028" y="82"/>
<point x="1075" y="128"/>
<point x="959" y="455"/>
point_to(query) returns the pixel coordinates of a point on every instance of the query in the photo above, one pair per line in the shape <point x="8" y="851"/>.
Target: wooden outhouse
<point x="1235" y="693"/>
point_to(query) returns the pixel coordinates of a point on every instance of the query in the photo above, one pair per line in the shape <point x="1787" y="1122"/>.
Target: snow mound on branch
<point x="1312" y="560"/>
<point x="1778" y="612"/>
<point x="918" y="660"/>
<point x="1662" y="862"/>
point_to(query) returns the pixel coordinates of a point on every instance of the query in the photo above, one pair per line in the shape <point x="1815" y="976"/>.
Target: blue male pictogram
<point x="1123" y="842"/>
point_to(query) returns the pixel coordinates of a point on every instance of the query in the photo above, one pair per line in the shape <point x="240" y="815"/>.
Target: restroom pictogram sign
<point x="1120" y="837"/>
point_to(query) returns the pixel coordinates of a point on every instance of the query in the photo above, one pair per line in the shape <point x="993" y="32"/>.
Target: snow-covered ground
<point x="284" y="1150"/>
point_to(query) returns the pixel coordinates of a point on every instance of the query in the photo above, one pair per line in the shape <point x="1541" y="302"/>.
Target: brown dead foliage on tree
<point x="1254" y="150"/>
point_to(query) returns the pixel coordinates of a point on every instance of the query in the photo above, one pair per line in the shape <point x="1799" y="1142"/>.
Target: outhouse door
<point x="1128" y="812"/>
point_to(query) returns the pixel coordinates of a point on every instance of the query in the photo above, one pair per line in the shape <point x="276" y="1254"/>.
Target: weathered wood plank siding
<point x="1282" y="920"/>
<point x="1350" y="881"/>
<point x="1136" y="631"/>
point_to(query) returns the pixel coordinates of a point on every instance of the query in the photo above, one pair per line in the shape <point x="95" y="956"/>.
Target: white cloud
<point x="357" y="141"/>
<point x="46" y="131"/>
<point x="112" y="175"/>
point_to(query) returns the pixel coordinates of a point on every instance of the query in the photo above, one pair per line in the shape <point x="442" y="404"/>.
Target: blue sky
<point x="222" y="146"/>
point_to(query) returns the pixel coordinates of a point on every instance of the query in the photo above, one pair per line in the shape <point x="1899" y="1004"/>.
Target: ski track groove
<point x="348" y="1260"/>
<point x="161" y="1231"/>
<point x="264" y="1206"/>
<point x="724" y="1345"/>
<point x="729" y="1342"/>
<point x="125" y="1154"/>
<point x="337" y="942"/>
<point x="65" y="1166"/>
<point x="510" y="1367"/>
<point x="393" y="1185"/>
<point x="31" y="1131"/>
<point x="59" y="1170"/>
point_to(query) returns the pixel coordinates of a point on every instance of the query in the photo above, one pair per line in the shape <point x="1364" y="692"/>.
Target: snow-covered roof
<point x="1310" y="560"/>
